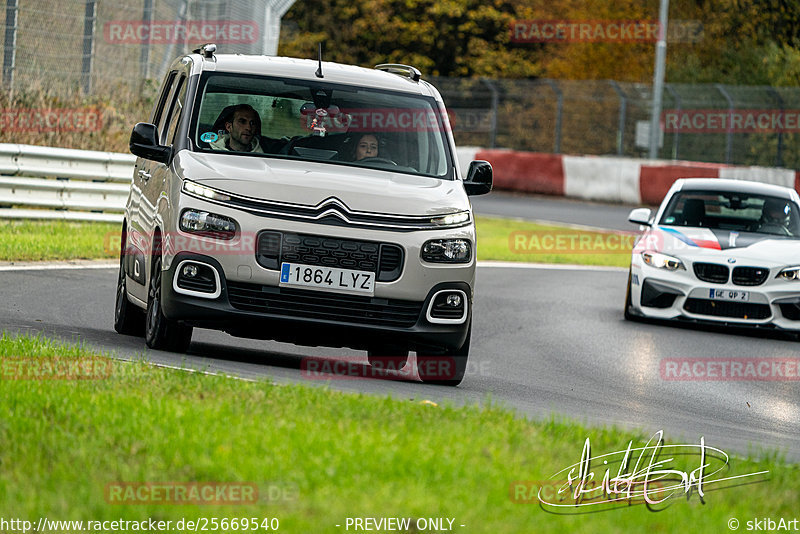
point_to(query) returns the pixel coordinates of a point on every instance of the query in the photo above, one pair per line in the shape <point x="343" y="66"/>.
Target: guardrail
<point x="60" y="183"/>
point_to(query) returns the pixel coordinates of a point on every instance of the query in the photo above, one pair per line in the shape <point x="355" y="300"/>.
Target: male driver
<point x="775" y="215"/>
<point x="243" y="130"/>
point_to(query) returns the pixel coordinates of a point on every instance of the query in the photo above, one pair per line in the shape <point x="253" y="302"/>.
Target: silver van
<point x="302" y="201"/>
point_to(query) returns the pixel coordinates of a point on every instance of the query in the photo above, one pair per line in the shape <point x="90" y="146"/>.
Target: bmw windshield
<point x="317" y="121"/>
<point x="734" y="211"/>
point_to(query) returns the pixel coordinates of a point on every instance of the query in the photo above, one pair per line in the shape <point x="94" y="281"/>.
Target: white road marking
<point x="548" y="266"/>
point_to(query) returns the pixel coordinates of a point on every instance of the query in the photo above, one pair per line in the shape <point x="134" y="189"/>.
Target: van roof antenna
<point x="319" y="69"/>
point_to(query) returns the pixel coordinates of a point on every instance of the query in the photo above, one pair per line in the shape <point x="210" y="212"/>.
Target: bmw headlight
<point x="207" y="224"/>
<point x="447" y="251"/>
<point x="790" y="273"/>
<point x="662" y="261"/>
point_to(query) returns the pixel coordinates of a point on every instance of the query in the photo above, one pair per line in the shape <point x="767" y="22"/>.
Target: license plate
<point x="329" y="278"/>
<point x="728" y="294"/>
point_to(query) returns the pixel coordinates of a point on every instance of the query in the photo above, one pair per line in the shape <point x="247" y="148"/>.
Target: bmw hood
<point x="310" y="183"/>
<point x="704" y="244"/>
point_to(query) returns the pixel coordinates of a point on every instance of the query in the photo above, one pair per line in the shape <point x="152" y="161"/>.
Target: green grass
<point x="498" y="239"/>
<point x="337" y="455"/>
<point x="57" y="240"/>
<point x="516" y="240"/>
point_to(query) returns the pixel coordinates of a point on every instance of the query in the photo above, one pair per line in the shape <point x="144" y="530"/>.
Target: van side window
<point x="162" y="100"/>
<point x="176" y="110"/>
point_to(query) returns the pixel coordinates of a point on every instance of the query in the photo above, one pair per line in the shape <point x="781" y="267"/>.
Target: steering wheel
<point x="774" y="228"/>
<point x="377" y="160"/>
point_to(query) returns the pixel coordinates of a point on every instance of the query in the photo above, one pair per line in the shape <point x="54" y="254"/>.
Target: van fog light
<point x="448" y="306"/>
<point x="197" y="279"/>
<point x="454" y="300"/>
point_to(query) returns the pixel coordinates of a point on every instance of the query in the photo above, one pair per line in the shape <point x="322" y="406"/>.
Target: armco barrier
<point x="60" y="183"/>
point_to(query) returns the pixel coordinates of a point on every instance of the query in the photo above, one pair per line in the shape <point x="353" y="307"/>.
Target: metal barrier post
<point x="10" y="43"/>
<point x="144" y="55"/>
<point x="676" y="135"/>
<point x="89" y="19"/>
<point x="495" y="99"/>
<point x="779" y="150"/>
<point x="623" y="107"/>
<point x="559" y="113"/>
<point x="729" y="135"/>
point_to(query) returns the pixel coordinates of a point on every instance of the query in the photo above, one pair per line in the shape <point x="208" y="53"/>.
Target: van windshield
<point x="318" y="121"/>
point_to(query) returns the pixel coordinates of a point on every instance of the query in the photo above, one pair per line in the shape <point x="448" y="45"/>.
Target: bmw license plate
<point x="729" y="294"/>
<point x="329" y="278"/>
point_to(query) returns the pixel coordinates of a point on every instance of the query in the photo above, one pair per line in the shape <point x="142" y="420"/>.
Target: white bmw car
<point x="722" y="251"/>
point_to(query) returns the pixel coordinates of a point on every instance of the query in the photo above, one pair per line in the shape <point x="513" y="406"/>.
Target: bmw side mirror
<point x="479" y="178"/>
<point x="144" y="143"/>
<point x="640" y="216"/>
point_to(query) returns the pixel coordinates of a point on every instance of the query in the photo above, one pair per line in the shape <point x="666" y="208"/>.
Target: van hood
<point x="309" y="183"/>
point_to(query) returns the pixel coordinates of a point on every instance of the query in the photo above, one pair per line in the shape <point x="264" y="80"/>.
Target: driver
<point x="774" y="216"/>
<point x="243" y="131"/>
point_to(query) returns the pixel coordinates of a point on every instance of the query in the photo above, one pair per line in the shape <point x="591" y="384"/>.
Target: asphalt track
<point x="545" y="341"/>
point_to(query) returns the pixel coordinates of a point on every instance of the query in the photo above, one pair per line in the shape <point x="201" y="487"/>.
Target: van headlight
<point x="790" y="273"/>
<point x="662" y="261"/>
<point x="447" y="251"/>
<point x="453" y="219"/>
<point x="203" y="191"/>
<point x="207" y="224"/>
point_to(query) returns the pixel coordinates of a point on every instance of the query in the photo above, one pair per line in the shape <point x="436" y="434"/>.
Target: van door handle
<point x="144" y="174"/>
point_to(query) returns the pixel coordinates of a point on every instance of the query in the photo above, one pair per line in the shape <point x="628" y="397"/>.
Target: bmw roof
<point x="741" y="186"/>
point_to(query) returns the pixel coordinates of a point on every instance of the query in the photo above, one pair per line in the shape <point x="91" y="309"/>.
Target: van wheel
<point x="388" y="357"/>
<point x="128" y="318"/>
<point x="160" y="332"/>
<point x="445" y="368"/>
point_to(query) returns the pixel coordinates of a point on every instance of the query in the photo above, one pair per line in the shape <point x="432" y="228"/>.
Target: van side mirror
<point x="144" y="143"/>
<point x="479" y="178"/>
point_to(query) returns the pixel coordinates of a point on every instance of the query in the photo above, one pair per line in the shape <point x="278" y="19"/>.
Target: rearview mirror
<point x="479" y="178"/>
<point x="144" y="143"/>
